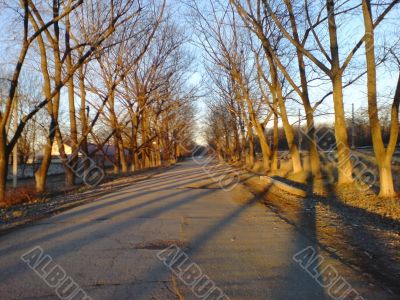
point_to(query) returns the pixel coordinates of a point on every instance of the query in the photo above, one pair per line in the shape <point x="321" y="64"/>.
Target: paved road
<point x="110" y="247"/>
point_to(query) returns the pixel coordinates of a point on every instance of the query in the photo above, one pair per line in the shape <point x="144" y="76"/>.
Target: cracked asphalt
<point x="109" y="247"/>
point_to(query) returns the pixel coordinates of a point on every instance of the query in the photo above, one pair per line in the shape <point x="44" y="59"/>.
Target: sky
<point x="349" y="32"/>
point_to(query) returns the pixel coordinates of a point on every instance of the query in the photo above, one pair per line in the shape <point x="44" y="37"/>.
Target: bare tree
<point x="225" y="46"/>
<point x="28" y="37"/>
<point x="383" y="154"/>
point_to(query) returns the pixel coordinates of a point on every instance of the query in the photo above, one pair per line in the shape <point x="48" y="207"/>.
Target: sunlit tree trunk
<point x="250" y="150"/>
<point x="315" y="163"/>
<point x="383" y="156"/>
<point x="134" y="157"/>
<point x="275" y="159"/>
<point x="4" y="156"/>
<point x="344" y="164"/>
<point x="122" y="156"/>
<point x="277" y="90"/>
<point x="83" y="120"/>
<point x="41" y="173"/>
<point x="72" y="161"/>
<point x="265" y="149"/>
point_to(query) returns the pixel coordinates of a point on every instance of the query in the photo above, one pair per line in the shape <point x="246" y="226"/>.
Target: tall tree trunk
<point x="383" y="156"/>
<point x="315" y="162"/>
<point x="4" y="156"/>
<point x="146" y="155"/>
<point x="344" y="164"/>
<point x="293" y="149"/>
<point x="250" y="151"/>
<point x="41" y="173"/>
<point x="247" y="141"/>
<point x="136" y="161"/>
<point x="115" y="126"/>
<point x="266" y="151"/>
<point x="55" y="42"/>
<point x="134" y="156"/>
<point x="6" y="113"/>
<point x="67" y="163"/>
<point x="121" y="149"/>
<point x="84" y="122"/>
<point x="386" y="178"/>
<point x="70" y="175"/>
<point x="157" y="153"/>
<point x="116" y="159"/>
<point x="345" y="167"/>
<point x="275" y="161"/>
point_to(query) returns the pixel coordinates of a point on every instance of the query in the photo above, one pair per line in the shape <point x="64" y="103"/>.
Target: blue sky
<point x="349" y="32"/>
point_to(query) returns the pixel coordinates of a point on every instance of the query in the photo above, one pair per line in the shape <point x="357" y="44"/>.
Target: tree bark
<point x="70" y="175"/>
<point x="41" y="173"/>
<point x="344" y="164"/>
<point x="83" y="118"/>
<point x="250" y="151"/>
<point x="383" y="156"/>
<point x="275" y="84"/>
<point x="315" y="162"/>
<point x="4" y="156"/>
<point x="275" y="161"/>
<point x="345" y="167"/>
<point x="266" y="151"/>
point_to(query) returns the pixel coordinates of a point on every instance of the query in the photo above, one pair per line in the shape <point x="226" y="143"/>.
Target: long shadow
<point x="292" y="274"/>
<point x="108" y="230"/>
<point x="331" y="199"/>
<point x="143" y="189"/>
<point x="308" y="286"/>
<point x="152" y="183"/>
<point x="195" y="245"/>
<point x="68" y="246"/>
<point x="90" y="195"/>
<point x="92" y="209"/>
<point x="306" y="224"/>
<point x="356" y="259"/>
<point x="160" y="178"/>
<point x="386" y="274"/>
<point x="154" y="180"/>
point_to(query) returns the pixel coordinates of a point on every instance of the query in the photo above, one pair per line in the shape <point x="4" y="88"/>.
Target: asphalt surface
<point x="114" y="248"/>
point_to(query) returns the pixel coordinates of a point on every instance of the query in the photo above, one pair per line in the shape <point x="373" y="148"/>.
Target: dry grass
<point x="23" y="194"/>
<point x="354" y="195"/>
<point x="369" y="201"/>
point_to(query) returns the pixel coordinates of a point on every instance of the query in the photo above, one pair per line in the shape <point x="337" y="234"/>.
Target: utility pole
<point x="15" y="150"/>
<point x="353" y="131"/>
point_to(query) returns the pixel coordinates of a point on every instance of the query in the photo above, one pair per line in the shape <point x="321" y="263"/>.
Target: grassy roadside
<point x="356" y="195"/>
<point x="360" y="229"/>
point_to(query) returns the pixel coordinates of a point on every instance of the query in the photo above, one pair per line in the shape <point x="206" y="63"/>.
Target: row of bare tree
<point x="267" y="58"/>
<point x="108" y="72"/>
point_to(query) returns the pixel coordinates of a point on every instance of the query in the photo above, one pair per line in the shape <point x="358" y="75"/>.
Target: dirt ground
<point x="366" y="239"/>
